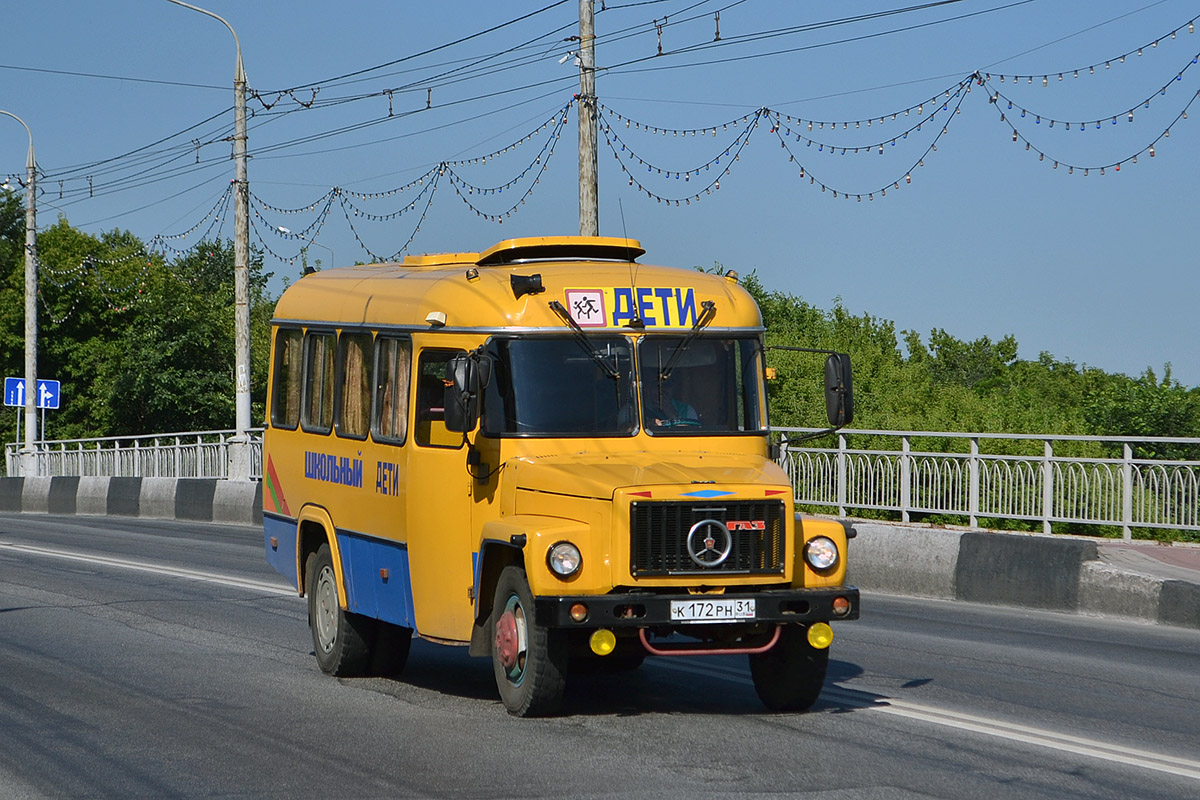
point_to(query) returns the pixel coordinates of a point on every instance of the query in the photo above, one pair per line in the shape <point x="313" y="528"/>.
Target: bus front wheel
<point x="341" y="639"/>
<point x="789" y="676"/>
<point x="529" y="660"/>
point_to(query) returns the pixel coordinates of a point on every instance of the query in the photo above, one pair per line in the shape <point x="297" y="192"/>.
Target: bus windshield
<point x="704" y="386"/>
<point x="560" y="386"/>
<point x="576" y="386"/>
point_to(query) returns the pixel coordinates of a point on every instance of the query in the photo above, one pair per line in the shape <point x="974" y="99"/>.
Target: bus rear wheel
<point x="529" y="660"/>
<point x="341" y="639"/>
<point x="789" y="676"/>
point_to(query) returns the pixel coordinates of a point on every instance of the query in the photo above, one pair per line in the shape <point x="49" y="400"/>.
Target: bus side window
<point x="354" y="382"/>
<point x="393" y="363"/>
<point x="431" y="400"/>
<point x="318" y="383"/>
<point x="285" y="392"/>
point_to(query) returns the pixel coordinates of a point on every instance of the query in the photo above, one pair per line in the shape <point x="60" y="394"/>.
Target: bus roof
<point x="513" y="284"/>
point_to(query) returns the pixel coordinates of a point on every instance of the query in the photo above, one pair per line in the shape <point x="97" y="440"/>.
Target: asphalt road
<point x="161" y="659"/>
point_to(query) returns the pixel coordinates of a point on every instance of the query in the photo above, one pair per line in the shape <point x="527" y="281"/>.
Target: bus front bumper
<point x="644" y="609"/>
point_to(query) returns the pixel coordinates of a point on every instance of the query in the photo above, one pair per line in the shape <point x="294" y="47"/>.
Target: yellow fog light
<point x="604" y="642"/>
<point x="820" y="635"/>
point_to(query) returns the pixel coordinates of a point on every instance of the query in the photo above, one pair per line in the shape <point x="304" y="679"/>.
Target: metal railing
<point x="969" y="475"/>
<point x="204" y="454"/>
<point x="1047" y="486"/>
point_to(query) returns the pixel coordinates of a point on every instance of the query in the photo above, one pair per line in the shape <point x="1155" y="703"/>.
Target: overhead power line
<point x="125" y="78"/>
<point x="161" y="160"/>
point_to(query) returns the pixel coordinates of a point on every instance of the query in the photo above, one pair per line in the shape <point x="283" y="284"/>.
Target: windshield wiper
<point x="582" y="340"/>
<point x="706" y="315"/>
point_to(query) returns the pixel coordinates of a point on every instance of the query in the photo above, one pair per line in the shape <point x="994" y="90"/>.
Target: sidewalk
<point x="1179" y="562"/>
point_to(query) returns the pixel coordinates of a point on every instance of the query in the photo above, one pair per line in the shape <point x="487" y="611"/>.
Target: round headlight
<point x="821" y="553"/>
<point x="564" y="559"/>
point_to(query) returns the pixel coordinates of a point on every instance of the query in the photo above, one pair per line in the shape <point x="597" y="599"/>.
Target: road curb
<point x="1057" y="572"/>
<point x="193" y="499"/>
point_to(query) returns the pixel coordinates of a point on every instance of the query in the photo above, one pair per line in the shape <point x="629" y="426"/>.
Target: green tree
<point x="1117" y="405"/>
<point x="174" y="369"/>
<point x="139" y="343"/>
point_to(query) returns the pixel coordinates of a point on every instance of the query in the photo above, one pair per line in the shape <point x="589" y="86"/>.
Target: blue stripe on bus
<point x="368" y="592"/>
<point x="281" y="555"/>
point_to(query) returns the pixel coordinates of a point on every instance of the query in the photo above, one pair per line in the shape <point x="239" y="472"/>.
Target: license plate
<point x="712" y="610"/>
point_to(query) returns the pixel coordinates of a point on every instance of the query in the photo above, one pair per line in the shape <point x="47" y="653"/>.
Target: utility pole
<point x="589" y="214"/>
<point x="28" y="453"/>
<point x="239" y="458"/>
<point x="241" y="256"/>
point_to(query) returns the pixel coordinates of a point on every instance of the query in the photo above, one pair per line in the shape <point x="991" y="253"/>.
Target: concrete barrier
<point x="195" y="499"/>
<point x="1055" y="572"/>
<point x="1060" y="573"/>
<point x="92" y="496"/>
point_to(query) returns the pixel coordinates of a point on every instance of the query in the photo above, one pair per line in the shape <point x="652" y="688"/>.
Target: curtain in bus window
<point x="318" y="413"/>
<point x="393" y="366"/>
<point x="356" y="385"/>
<point x="285" y="394"/>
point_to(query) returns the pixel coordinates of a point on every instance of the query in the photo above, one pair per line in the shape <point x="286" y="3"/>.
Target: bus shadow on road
<point x="687" y="685"/>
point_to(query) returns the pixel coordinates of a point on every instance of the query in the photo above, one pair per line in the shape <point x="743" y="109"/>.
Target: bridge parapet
<point x="977" y="479"/>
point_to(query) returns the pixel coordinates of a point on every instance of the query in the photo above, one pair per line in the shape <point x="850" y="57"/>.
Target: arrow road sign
<point x="14" y="391"/>
<point x="48" y="394"/>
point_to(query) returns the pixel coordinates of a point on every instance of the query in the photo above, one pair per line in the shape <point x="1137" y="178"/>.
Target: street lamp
<point x="307" y="242"/>
<point x="28" y="456"/>
<point x="239" y="462"/>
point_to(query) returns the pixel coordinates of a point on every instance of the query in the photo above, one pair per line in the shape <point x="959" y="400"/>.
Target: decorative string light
<point x="1091" y="68"/>
<point x="542" y="162"/>
<point x="730" y="153"/>
<point x="556" y="121"/>
<point x="98" y="272"/>
<point x="892" y="116"/>
<point x="877" y="145"/>
<point x="308" y="234"/>
<point x="1128" y="115"/>
<point x="91" y="271"/>
<point x="432" y="190"/>
<point x="997" y="97"/>
<point x="958" y="95"/>
<point x="538" y="164"/>
<point x="423" y="182"/>
<point x="795" y="135"/>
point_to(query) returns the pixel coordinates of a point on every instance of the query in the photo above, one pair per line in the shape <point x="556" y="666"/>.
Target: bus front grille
<point x="659" y="534"/>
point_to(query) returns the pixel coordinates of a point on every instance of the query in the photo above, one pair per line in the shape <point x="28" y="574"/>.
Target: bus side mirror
<point x="462" y="399"/>
<point x="466" y="378"/>
<point x="839" y="390"/>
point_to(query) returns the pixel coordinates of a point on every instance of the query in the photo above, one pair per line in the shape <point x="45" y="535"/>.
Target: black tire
<point x="789" y="676"/>
<point x="529" y="661"/>
<point x="341" y="640"/>
<point x="389" y="653"/>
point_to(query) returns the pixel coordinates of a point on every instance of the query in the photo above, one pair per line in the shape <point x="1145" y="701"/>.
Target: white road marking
<point x="157" y="569"/>
<point x="1024" y="734"/>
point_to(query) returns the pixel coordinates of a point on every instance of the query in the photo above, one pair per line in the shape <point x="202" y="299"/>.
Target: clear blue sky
<point x="986" y="240"/>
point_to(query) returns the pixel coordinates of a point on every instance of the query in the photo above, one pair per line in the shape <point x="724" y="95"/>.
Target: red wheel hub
<point x="506" y="639"/>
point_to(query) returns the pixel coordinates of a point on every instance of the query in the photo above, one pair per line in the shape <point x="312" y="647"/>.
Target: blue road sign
<point x="47" y="397"/>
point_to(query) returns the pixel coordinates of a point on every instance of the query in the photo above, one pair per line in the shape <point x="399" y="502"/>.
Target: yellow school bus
<point x="552" y="454"/>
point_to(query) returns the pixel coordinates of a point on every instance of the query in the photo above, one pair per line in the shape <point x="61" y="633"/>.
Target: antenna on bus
<point x="636" y="322"/>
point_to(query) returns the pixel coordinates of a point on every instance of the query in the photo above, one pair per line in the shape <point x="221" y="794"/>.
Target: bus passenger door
<point x="440" y="543"/>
